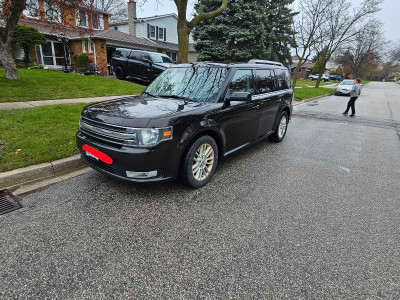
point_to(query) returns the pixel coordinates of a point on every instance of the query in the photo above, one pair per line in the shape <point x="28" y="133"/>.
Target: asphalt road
<point x="314" y="217"/>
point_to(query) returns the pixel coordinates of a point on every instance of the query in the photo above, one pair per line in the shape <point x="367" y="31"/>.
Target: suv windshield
<point x="157" y="58"/>
<point x="195" y="83"/>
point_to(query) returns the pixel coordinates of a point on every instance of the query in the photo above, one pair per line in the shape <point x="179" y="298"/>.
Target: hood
<point x="138" y="111"/>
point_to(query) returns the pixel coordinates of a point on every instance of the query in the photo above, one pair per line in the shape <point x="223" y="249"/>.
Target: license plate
<point x="91" y="155"/>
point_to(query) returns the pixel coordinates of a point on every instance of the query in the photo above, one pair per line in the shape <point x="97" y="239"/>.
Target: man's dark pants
<point x="351" y="103"/>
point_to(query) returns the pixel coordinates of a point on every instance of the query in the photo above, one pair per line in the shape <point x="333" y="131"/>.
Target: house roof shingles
<point x="76" y="33"/>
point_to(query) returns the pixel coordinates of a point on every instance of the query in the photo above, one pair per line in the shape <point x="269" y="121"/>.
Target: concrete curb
<point x="31" y="104"/>
<point x="311" y="99"/>
<point x="18" y="177"/>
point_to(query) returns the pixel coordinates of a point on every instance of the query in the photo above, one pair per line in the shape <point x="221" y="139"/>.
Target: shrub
<point x="80" y="61"/>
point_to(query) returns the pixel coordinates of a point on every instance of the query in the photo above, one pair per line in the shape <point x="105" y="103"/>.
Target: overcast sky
<point x="389" y="15"/>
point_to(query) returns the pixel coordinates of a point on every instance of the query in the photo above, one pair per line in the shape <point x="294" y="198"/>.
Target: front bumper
<point x="342" y="92"/>
<point x="163" y="158"/>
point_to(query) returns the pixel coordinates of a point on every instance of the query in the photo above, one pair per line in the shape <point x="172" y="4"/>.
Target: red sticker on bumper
<point x="96" y="153"/>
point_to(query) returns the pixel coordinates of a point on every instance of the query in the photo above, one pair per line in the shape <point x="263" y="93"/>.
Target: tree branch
<point x="206" y="16"/>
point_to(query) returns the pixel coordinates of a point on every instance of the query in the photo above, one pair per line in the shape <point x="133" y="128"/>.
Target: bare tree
<point x="365" y="49"/>
<point x="117" y="9"/>
<point x="185" y="26"/>
<point x="394" y="53"/>
<point x="341" y="25"/>
<point x="312" y="14"/>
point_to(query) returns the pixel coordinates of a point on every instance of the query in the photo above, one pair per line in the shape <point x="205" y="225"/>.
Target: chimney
<point x="132" y="17"/>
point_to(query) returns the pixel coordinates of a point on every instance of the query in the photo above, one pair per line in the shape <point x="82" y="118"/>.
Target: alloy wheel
<point x="203" y="162"/>
<point x="282" y="127"/>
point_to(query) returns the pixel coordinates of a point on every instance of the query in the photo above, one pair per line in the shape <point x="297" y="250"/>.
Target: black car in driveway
<point x="143" y="65"/>
<point x="186" y="120"/>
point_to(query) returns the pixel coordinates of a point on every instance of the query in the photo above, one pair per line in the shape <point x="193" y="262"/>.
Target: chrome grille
<point x="109" y="134"/>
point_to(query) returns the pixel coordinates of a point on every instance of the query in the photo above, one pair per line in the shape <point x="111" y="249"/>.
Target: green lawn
<point x="310" y="92"/>
<point x="36" y="135"/>
<point x="312" y="82"/>
<point x="46" y="84"/>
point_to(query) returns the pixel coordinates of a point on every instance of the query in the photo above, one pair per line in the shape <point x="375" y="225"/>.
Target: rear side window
<point x="265" y="82"/>
<point x="282" y="79"/>
<point x="242" y="81"/>
<point x="136" y="55"/>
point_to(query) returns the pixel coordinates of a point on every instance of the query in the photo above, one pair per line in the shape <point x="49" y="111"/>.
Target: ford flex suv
<point x="190" y="117"/>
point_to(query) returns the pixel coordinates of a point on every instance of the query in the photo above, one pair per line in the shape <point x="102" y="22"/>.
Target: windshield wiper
<point x="149" y="94"/>
<point x="176" y="97"/>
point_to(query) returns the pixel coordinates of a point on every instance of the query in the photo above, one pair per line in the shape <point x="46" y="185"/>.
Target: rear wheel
<point x="200" y="162"/>
<point x="119" y="73"/>
<point x="281" y="128"/>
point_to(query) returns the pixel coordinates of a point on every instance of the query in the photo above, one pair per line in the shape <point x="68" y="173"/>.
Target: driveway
<point x="313" y="217"/>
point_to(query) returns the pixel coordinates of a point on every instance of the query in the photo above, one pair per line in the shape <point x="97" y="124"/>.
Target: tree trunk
<point x="183" y="41"/>
<point x="321" y="71"/>
<point x="10" y="70"/>
<point x="296" y="74"/>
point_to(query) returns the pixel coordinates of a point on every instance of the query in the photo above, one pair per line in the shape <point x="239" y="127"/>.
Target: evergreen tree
<point x="248" y="29"/>
<point x="25" y="36"/>
<point x="317" y="69"/>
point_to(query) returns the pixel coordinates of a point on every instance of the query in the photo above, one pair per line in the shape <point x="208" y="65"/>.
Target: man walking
<point x="354" y="93"/>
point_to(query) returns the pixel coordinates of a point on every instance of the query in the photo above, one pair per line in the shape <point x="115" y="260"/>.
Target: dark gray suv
<point x="143" y="65"/>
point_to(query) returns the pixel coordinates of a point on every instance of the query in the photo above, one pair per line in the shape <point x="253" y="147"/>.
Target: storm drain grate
<point x="8" y="202"/>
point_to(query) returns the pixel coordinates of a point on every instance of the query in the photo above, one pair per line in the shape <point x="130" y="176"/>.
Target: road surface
<point x="313" y="217"/>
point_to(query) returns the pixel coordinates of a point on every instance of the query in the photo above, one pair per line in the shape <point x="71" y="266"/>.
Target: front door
<point x="239" y="119"/>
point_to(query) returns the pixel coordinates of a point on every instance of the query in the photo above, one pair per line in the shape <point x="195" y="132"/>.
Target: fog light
<point x="132" y="174"/>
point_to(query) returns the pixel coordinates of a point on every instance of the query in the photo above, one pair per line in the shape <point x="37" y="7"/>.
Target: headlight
<point x="149" y="136"/>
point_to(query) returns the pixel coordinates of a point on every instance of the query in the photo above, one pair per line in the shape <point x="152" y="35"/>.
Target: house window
<point x="152" y="32"/>
<point x="52" y="12"/>
<point x="97" y="21"/>
<point x="81" y="18"/>
<point x="160" y="33"/>
<point x="174" y="55"/>
<point x="84" y="46"/>
<point x="31" y="9"/>
<point x="90" y="46"/>
<point x="19" y="52"/>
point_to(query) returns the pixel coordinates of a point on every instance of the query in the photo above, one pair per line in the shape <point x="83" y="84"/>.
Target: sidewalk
<point x="30" y="104"/>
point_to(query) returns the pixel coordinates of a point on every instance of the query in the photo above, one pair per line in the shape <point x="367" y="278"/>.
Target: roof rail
<point x="266" y="62"/>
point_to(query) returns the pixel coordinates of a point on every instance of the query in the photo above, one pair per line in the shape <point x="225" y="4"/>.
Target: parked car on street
<point x="187" y="119"/>
<point x="143" y="65"/>
<point x="344" y="87"/>
<point x="335" y="77"/>
<point x="323" y="78"/>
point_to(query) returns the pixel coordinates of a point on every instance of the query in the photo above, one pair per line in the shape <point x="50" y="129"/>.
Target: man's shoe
<point x="352" y="115"/>
<point x="345" y="113"/>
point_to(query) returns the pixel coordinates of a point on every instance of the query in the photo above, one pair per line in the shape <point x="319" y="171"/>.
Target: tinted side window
<point x="264" y="81"/>
<point x="145" y="56"/>
<point x="125" y="53"/>
<point x="282" y="79"/>
<point x="242" y="81"/>
<point x="136" y="55"/>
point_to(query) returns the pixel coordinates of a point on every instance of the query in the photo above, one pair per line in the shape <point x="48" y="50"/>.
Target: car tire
<point x="206" y="150"/>
<point x="120" y="73"/>
<point x="280" y="132"/>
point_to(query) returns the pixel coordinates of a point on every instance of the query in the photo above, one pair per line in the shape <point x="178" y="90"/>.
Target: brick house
<point x="305" y="70"/>
<point x="87" y="32"/>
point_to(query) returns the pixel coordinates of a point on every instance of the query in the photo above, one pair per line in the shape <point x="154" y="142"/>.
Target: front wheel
<point x="200" y="162"/>
<point x="281" y="128"/>
<point x="119" y="73"/>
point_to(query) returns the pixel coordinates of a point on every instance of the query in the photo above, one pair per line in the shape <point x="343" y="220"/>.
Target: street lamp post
<point x="63" y="40"/>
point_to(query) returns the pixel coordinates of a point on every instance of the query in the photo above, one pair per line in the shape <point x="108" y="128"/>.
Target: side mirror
<point x="239" y="96"/>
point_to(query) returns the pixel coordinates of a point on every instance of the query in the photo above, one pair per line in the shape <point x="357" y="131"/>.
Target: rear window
<point x="282" y="79"/>
<point x="265" y="82"/>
